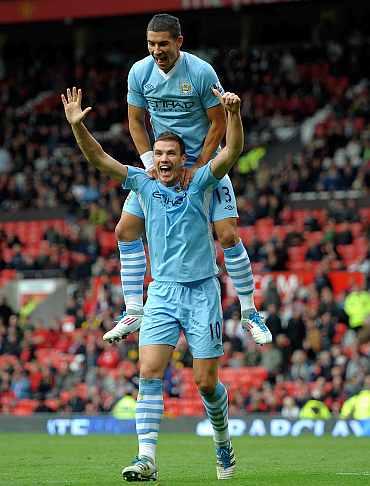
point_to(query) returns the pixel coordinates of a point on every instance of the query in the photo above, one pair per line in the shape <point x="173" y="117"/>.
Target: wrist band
<point x="147" y="159"/>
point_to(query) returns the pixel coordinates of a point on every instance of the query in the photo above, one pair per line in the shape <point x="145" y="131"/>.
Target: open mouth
<point x="161" y="60"/>
<point x="165" y="169"/>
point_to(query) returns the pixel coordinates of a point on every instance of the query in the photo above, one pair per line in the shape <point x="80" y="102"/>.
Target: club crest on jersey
<point x="185" y="87"/>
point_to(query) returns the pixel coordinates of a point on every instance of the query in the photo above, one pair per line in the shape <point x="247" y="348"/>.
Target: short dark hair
<point x="170" y="136"/>
<point x="165" y="23"/>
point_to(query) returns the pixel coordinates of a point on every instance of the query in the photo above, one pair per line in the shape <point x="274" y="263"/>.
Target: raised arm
<point x="223" y="162"/>
<point x="89" y="146"/>
<point x="138" y="131"/>
<point x="216" y="132"/>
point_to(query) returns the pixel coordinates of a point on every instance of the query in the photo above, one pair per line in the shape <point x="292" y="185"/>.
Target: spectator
<point x="300" y="368"/>
<point x="315" y="409"/>
<point x="273" y="320"/>
<point x="20" y="385"/>
<point x="289" y="409"/>
<point x="357" y="306"/>
<point x="296" y="330"/>
<point x="5" y="310"/>
<point x="358" y="406"/>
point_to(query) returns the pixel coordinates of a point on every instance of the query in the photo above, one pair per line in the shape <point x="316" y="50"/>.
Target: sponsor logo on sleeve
<point x="219" y="88"/>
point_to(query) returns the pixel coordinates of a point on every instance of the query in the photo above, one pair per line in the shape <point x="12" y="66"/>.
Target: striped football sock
<point x="239" y="268"/>
<point x="216" y="406"/>
<point x="133" y="269"/>
<point x="149" y="411"/>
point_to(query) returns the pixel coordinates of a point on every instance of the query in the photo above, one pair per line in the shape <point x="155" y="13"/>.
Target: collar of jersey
<point x="169" y="188"/>
<point x="172" y="71"/>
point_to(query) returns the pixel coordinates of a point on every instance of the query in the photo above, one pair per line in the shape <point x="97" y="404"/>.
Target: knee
<point x="127" y="230"/>
<point x="120" y="231"/>
<point x="228" y="236"/>
<point x="149" y="371"/>
<point x="206" y="384"/>
<point x="207" y="389"/>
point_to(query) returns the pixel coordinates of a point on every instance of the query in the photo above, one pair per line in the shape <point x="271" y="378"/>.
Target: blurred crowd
<point x="321" y="350"/>
<point x="318" y="93"/>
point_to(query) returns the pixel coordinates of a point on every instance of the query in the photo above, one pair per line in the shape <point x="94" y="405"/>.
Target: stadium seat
<point x="108" y="242"/>
<point x="349" y="253"/>
<point x="361" y="244"/>
<point x="297" y="253"/>
<point x="246" y="233"/>
<point x="314" y="236"/>
<point x="52" y="403"/>
<point x="365" y="215"/>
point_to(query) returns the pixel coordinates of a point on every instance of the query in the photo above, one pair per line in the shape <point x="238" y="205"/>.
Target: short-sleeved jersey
<point x="181" y="245"/>
<point x="177" y="101"/>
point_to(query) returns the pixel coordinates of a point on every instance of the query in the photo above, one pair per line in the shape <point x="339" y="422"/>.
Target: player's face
<point x="164" y="48"/>
<point x="168" y="161"/>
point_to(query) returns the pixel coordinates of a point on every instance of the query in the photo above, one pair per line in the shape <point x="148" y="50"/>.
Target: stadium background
<point x="301" y="69"/>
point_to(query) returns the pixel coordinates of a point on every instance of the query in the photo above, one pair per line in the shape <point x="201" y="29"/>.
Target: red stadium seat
<point x="361" y="244"/>
<point x="107" y="241"/>
<point x="25" y="407"/>
<point x="297" y="253"/>
<point x="365" y="215"/>
<point x="349" y="253"/>
<point x="6" y="276"/>
<point x="246" y="233"/>
<point x="53" y="404"/>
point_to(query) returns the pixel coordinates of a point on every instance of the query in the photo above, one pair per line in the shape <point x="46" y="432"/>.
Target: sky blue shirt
<point x="177" y="101"/>
<point x="181" y="245"/>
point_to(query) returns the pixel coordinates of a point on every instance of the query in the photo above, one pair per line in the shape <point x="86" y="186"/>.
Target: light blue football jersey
<point x="181" y="245"/>
<point x="177" y="101"/>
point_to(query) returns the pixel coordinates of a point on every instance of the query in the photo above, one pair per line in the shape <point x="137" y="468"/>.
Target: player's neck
<point x="172" y="183"/>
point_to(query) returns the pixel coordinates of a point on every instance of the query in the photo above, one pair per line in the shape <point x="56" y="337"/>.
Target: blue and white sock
<point x="149" y="411"/>
<point x="239" y="268"/>
<point x="133" y="269"/>
<point x="216" y="406"/>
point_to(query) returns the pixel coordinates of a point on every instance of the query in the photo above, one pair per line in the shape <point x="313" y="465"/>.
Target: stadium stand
<point x="318" y="351"/>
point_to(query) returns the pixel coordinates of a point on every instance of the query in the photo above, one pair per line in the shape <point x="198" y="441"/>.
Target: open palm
<point x="72" y="106"/>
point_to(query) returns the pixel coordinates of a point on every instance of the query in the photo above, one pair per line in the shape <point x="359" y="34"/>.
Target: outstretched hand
<point x="230" y="101"/>
<point x="72" y="106"/>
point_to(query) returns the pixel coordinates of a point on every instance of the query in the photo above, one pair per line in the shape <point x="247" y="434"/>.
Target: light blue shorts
<point x="194" y="308"/>
<point x="222" y="206"/>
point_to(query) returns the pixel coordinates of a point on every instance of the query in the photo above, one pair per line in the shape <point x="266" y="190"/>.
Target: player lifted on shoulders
<point x="175" y="88"/>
